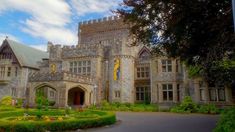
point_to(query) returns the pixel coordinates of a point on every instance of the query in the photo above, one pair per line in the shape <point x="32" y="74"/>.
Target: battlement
<point x="101" y="20"/>
<point x="82" y="46"/>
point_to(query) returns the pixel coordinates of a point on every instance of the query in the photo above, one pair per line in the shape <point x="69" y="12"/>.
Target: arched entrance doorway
<point x="47" y="93"/>
<point x="76" y="97"/>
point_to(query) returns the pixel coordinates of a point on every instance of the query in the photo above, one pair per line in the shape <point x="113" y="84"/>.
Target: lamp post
<point x="94" y="98"/>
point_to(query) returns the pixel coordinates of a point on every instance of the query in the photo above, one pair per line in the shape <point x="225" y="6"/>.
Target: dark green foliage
<point x="194" y="71"/>
<point x="186" y="106"/>
<point x="19" y="102"/>
<point x="200" y="32"/>
<point x="227" y="121"/>
<point x="208" y="109"/>
<point x="41" y="100"/>
<point x="117" y="106"/>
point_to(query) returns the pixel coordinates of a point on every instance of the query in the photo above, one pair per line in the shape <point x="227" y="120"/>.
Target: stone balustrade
<point x="60" y="76"/>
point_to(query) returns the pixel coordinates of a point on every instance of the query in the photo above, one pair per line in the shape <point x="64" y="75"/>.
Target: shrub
<point x="19" y="103"/>
<point x="226" y="122"/>
<point x="105" y="103"/>
<point x="187" y="106"/>
<point x="208" y="109"/>
<point x="6" y="100"/>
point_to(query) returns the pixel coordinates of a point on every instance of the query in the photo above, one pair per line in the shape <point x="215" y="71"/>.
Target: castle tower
<point x="118" y="61"/>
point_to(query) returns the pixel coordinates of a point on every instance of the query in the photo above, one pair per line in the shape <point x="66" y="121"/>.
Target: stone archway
<point x="48" y="92"/>
<point x="76" y="97"/>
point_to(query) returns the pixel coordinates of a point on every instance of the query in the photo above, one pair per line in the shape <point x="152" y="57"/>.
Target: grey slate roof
<point x="27" y="56"/>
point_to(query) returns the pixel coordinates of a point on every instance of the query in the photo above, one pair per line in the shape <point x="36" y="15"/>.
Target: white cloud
<point x="42" y="47"/>
<point x="49" y="19"/>
<point x="52" y="33"/>
<point x="3" y="37"/>
<point x="84" y="7"/>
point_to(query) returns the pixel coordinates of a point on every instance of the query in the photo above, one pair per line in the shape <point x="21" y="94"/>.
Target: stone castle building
<point x="102" y="66"/>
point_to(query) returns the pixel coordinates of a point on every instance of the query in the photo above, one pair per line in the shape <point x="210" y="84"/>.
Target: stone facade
<point x="15" y="67"/>
<point x="103" y="66"/>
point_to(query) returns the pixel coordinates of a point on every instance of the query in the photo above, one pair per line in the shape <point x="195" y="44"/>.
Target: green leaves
<point x="187" y="29"/>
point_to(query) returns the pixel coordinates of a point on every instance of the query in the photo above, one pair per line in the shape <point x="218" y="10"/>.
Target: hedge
<point x="226" y="122"/>
<point x="72" y="123"/>
<point x="116" y="106"/>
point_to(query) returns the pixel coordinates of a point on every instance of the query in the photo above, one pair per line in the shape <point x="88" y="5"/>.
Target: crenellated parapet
<point x="107" y="28"/>
<point x="101" y="20"/>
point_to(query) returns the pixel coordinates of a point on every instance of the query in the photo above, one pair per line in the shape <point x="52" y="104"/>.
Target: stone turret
<point x="105" y="29"/>
<point x="55" y="52"/>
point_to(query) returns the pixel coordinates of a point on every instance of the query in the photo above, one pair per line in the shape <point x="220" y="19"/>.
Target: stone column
<point x="160" y="93"/>
<point x="196" y="91"/>
<point x="63" y="97"/>
<point x="207" y="96"/>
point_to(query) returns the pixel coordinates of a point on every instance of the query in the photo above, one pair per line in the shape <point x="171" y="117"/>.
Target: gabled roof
<point x="144" y="49"/>
<point x="27" y="56"/>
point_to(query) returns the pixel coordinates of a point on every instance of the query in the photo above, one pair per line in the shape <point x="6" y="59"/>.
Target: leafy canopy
<point x="200" y="32"/>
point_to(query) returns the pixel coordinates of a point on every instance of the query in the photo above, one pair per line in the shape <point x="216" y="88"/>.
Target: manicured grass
<point x="17" y="120"/>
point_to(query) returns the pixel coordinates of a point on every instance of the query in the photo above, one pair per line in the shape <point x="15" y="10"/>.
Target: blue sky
<point x="35" y="22"/>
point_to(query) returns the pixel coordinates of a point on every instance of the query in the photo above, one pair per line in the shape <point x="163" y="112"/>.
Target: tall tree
<point x="200" y="32"/>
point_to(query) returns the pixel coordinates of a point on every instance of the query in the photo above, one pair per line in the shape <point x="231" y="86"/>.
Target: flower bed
<point x="52" y="120"/>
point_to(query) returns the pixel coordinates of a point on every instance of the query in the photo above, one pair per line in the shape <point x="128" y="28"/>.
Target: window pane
<point x="75" y="64"/>
<point x="137" y="96"/>
<point x="88" y="69"/>
<point x="169" y="86"/>
<point x="169" y="62"/>
<point x="142" y="96"/>
<point x="165" y="95"/>
<point x="79" y="63"/>
<point x="142" y="74"/>
<point x="164" y="87"/>
<point x="84" y="63"/>
<point x="75" y="70"/>
<point x="169" y="68"/>
<point x="212" y="93"/>
<point x="163" y="62"/>
<point x="138" y="74"/>
<point x="170" y="95"/>
<point x="163" y="68"/>
<point x="79" y="70"/>
<point x="142" y="89"/>
<point x="146" y="69"/>
<point x="147" y="74"/>
<point x="221" y="94"/>
<point x="84" y="69"/>
<point x="142" y="69"/>
<point x="89" y="63"/>
<point x="138" y="69"/>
